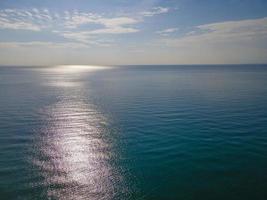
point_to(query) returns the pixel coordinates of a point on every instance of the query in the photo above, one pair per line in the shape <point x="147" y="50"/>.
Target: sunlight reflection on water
<point x="64" y="69"/>
<point x="75" y="152"/>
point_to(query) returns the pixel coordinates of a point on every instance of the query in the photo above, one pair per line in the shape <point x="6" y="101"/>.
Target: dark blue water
<point x="136" y="132"/>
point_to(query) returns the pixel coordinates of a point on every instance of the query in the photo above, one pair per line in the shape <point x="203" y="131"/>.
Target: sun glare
<point x="78" y="68"/>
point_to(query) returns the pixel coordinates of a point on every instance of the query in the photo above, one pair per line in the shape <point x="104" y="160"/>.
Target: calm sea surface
<point x="133" y="133"/>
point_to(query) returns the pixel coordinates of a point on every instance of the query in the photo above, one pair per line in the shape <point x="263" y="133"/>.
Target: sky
<point x="131" y="32"/>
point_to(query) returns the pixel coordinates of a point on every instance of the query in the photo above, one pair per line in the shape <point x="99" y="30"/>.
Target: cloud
<point x="243" y="29"/>
<point x="38" y="19"/>
<point x="155" y="11"/>
<point x="117" y="25"/>
<point x="18" y="19"/>
<point x="18" y="25"/>
<point x="38" y="44"/>
<point x="224" y="32"/>
<point x="166" y="32"/>
<point x="76" y="19"/>
<point x="117" y="22"/>
<point x="68" y="24"/>
<point x="86" y="38"/>
<point x="76" y="27"/>
<point x="229" y="41"/>
<point x="114" y="30"/>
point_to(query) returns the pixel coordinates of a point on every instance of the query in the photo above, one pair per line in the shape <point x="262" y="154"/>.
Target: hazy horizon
<point x="129" y="65"/>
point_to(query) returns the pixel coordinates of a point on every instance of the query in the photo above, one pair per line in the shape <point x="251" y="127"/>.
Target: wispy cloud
<point x="38" y="44"/>
<point x="242" y="31"/>
<point x="19" y="20"/>
<point x="155" y="11"/>
<point x="168" y="31"/>
<point x="68" y="24"/>
<point x="86" y="38"/>
<point x="73" y="25"/>
<point x="37" y="19"/>
<point x="6" y="24"/>
<point x="116" y="25"/>
<point x="223" y="42"/>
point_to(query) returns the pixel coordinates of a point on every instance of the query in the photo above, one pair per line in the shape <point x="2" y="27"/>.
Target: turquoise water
<point x="136" y="132"/>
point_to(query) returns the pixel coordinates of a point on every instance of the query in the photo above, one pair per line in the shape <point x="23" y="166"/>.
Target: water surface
<point x="135" y="132"/>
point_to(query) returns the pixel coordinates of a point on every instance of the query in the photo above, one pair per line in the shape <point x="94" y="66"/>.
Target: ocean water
<point x="133" y="133"/>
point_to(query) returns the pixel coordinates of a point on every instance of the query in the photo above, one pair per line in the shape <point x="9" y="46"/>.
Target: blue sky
<point x="117" y="32"/>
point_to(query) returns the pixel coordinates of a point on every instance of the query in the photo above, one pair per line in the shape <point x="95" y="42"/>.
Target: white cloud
<point x="223" y="42"/>
<point x="67" y="24"/>
<point x="82" y="37"/>
<point x="117" y="22"/>
<point x="243" y="29"/>
<point x="114" y="30"/>
<point x="118" y="25"/>
<point x="115" y="25"/>
<point x="86" y="38"/>
<point x="17" y="19"/>
<point x="37" y="19"/>
<point x="155" y="11"/>
<point x="77" y="27"/>
<point x="38" y="44"/>
<point x="77" y="19"/>
<point x="224" y="32"/>
<point x="167" y="32"/>
<point x="18" y="25"/>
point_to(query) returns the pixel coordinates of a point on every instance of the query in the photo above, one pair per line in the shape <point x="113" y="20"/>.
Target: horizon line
<point x="125" y="65"/>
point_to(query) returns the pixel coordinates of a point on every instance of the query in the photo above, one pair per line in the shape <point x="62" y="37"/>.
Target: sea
<point x="185" y="132"/>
